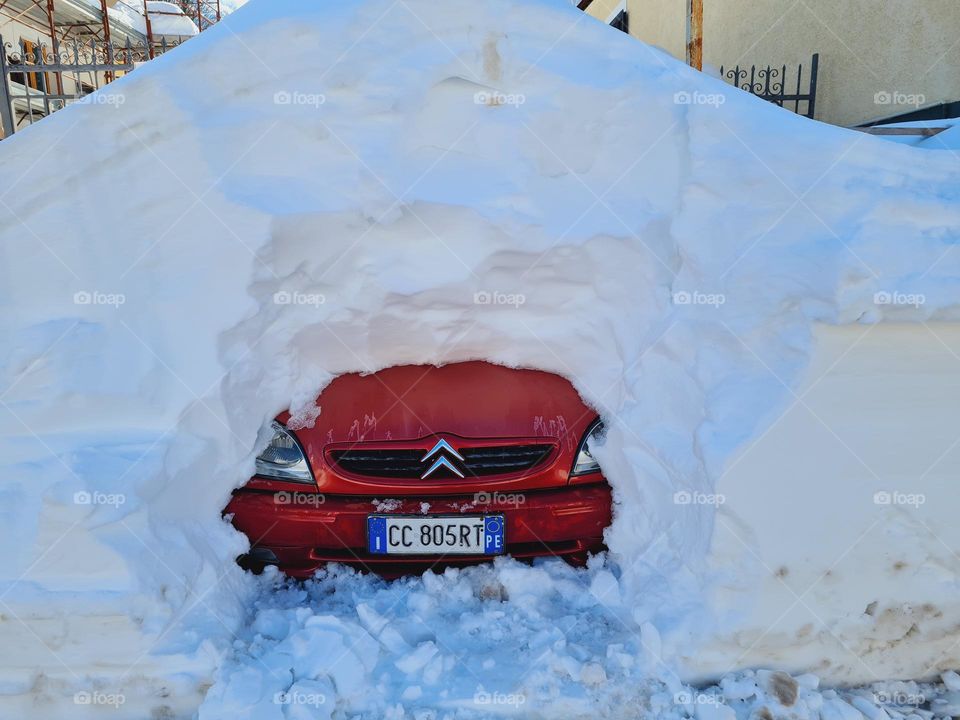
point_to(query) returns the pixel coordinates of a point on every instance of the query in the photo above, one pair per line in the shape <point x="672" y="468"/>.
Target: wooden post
<point x="146" y="16"/>
<point x="55" y="46"/>
<point x="695" y="34"/>
<point x="108" y="45"/>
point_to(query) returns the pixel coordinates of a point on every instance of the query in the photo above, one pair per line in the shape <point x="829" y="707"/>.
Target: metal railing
<point x="37" y="80"/>
<point x="770" y="83"/>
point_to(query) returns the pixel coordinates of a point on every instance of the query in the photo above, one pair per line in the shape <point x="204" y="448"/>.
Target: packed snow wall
<point x="213" y="238"/>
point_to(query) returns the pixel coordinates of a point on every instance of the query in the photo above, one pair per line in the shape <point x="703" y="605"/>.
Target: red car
<point x="416" y="467"/>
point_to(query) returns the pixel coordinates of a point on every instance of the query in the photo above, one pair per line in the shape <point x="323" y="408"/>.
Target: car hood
<point x="469" y="400"/>
<point x="471" y="403"/>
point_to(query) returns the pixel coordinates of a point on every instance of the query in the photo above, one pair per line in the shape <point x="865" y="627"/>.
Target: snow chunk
<point x="417" y="659"/>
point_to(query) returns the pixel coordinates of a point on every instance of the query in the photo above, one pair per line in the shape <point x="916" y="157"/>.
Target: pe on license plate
<point x="435" y="535"/>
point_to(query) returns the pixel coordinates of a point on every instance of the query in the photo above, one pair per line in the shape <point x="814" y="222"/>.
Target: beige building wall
<point x="877" y="57"/>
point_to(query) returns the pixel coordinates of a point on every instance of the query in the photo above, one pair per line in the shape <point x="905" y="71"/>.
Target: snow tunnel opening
<point x="423" y="467"/>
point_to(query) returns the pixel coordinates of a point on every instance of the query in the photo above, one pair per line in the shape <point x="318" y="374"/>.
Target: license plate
<point x="435" y="535"/>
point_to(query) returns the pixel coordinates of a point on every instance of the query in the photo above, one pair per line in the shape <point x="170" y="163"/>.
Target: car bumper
<point x="304" y="531"/>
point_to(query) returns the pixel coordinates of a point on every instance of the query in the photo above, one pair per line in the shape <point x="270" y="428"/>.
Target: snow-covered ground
<point x="503" y="640"/>
<point x="313" y="188"/>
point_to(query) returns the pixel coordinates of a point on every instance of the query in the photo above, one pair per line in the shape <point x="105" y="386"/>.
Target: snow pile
<point x="228" y="6"/>
<point x="948" y="139"/>
<point x="675" y="241"/>
<point x="166" y="18"/>
<point x="504" y="641"/>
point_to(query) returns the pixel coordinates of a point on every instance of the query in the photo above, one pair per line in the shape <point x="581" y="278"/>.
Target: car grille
<point x="478" y="461"/>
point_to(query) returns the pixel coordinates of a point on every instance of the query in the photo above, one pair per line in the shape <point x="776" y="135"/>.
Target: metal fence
<point x="771" y="83"/>
<point x="37" y="80"/>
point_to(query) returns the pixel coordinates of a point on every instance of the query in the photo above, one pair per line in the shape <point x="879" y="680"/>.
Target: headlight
<point x="586" y="463"/>
<point x="283" y="459"/>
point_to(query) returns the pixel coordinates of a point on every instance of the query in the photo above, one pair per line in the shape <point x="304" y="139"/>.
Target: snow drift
<point x="311" y="189"/>
<point x="166" y="18"/>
